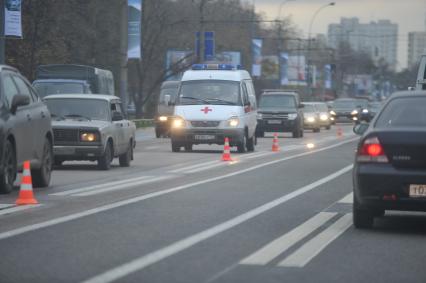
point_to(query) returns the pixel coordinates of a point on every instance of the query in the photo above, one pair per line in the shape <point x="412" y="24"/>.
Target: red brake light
<point x="372" y="151"/>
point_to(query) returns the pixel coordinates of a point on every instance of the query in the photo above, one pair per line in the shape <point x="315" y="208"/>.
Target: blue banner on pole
<point x="256" y="47"/>
<point x="327" y="76"/>
<point x="284" y="68"/>
<point x="209" y="45"/>
<point x="134" y="50"/>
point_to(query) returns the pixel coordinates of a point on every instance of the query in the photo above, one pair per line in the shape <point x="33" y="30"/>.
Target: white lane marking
<point x="347" y="199"/>
<point x="163" y="253"/>
<point x="199" y="165"/>
<point x="15" y="209"/>
<point x="312" y="248"/>
<point x="220" y="163"/>
<point x="283" y="243"/>
<point x="259" y="154"/>
<point x="89" y="212"/>
<point x="6" y="205"/>
<point x="152" y="147"/>
<point x="124" y="186"/>
<point x="100" y="186"/>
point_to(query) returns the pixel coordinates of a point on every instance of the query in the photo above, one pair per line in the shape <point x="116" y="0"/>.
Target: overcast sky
<point x="410" y="15"/>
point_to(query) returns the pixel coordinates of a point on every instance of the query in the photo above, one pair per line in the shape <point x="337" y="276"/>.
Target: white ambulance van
<point x="215" y="101"/>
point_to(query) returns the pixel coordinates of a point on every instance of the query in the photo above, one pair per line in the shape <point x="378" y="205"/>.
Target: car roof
<point x="223" y="75"/>
<point x="280" y="93"/>
<point x="105" y="97"/>
<point x="170" y="84"/>
<point x="409" y="93"/>
<point x="8" y="68"/>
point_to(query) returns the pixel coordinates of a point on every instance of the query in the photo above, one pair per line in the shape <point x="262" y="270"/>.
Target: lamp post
<point x="310" y="79"/>
<point x="201" y="31"/>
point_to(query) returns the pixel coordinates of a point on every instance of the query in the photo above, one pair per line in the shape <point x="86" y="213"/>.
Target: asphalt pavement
<point x="189" y="217"/>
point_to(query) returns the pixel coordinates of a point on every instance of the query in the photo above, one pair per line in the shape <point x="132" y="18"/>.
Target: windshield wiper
<point x="221" y="101"/>
<point x="77" y="116"/>
<point x="195" y="98"/>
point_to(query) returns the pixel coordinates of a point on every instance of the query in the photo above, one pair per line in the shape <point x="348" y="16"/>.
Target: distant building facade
<point x="416" y="47"/>
<point x="378" y="39"/>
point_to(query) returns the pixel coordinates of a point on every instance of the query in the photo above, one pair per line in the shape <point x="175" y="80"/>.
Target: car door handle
<point x="28" y="117"/>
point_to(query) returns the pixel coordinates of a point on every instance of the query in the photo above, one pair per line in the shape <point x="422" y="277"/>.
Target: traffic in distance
<point x="218" y="172"/>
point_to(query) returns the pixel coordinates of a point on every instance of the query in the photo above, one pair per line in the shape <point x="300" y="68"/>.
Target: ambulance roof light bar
<point x="223" y="67"/>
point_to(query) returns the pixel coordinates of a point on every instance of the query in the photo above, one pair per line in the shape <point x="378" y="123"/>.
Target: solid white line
<point x="283" y="243"/>
<point x="3" y="206"/>
<point x="347" y="199"/>
<point x="89" y="212"/>
<point x="263" y="153"/>
<point x="123" y="186"/>
<point x="156" y="256"/>
<point x="311" y="249"/>
<point x="15" y="209"/>
<point x="99" y="186"/>
<point x="220" y="163"/>
<point x="194" y="166"/>
<point x="152" y="147"/>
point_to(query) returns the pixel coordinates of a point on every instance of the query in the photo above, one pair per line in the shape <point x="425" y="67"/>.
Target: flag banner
<point x="134" y="29"/>
<point x="12" y="18"/>
<point x="256" y="47"/>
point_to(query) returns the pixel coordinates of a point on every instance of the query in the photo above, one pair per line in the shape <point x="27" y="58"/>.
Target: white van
<point x="215" y="101"/>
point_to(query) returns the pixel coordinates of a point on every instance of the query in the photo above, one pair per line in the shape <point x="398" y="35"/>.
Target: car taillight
<point x="372" y="151"/>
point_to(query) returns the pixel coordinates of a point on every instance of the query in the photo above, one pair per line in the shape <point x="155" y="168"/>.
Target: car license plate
<point x="66" y="150"/>
<point x="417" y="191"/>
<point x="274" y="121"/>
<point x="204" y="137"/>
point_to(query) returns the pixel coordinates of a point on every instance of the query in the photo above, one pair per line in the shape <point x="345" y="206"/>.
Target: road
<point x="189" y="217"/>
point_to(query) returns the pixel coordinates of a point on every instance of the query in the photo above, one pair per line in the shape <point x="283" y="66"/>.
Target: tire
<point x="58" y="162"/>
<point x="158" y="133"/>
<point x="241" y="146"/>
<point x="260" y="134"/>
<point x="328" y="127"/>
<point x="175" y="146"/>
<point x="250" y="144"/>
<point x="362" y="218"/>
<point x="298" y="133"/>
<point x="126" y="158"/>
<point x="41" y="177"/>
<point x="104" y="162"/>
<point x="188" y="147"/>
<point x="317" y="130"/>
<point x="8" y="176"/>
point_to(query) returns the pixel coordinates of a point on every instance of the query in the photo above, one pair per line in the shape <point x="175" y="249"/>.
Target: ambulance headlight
<point x="178" y="123"/>
<point x="233" y="122"/>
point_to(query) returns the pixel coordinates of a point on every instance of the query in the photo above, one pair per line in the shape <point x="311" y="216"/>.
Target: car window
<point x="403" y="112"/>
<point x="210" y="91"/>
<point x="22" y="87"/>
<point x="277" y="101"/>
<point x="245" y="94"/>
<point x="94" y="109"/>
<point x="10" y="89"/>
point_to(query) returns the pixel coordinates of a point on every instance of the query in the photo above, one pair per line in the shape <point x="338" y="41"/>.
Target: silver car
<point x="90" y="127"/>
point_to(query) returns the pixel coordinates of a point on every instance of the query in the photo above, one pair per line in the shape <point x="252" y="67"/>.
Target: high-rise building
<point x="416" y="47"/>
<point x="378" y="39"/>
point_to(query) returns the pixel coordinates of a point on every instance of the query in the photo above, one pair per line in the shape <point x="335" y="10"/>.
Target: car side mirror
<point x="19" y="100"/>
<point x="117" y="116"/>
<point x="360" y="128"/>
<point x="167" y="99"/>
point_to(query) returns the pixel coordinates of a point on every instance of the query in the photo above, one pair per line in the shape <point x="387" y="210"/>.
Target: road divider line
<point x="124" y="186"/>
<point x="14" y="209"/>
<point x="64" y="219"/>
<point x="98" y="186"/>
<point x="194" y="166"/>
<point x="347" y="199"/>
<point x="283" y="243"/>
<point x="207" y="167"/>
<point x="163" y="253"/>
<point x="312" y="248"/>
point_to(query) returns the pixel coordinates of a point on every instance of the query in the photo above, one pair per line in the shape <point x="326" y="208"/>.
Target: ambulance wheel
<point x="175" y="146"/>
<point x="241" y="146"/>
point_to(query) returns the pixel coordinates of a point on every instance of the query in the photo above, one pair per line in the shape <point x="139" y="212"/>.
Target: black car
<point x="390" y="164"/>
<point x="280" y="111"/>
<point x="25" y="131"/>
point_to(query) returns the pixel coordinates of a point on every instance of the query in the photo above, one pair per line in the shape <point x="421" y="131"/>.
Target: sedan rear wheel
<point x="363" y="218"/>
<point x="126" y="158"/>
<point x="41" y="176"/>
<point x="8" y="176"/>
<point x="104" y="162"/>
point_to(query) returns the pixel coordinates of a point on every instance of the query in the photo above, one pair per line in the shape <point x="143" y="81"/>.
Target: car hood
<point x="207" y="112"/>
<point x="275" y="110"/>
<point x="72" y="123"/>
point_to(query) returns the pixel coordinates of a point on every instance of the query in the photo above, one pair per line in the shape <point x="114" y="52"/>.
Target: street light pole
<point x="310" y="79"/>
<point x="2" y="36"/>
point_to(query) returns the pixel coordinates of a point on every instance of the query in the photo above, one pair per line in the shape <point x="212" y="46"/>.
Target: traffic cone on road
<point x="226" y="156"/>
<point x="275" y="146"/>
<point x="339" y="132"/>
<point x="26" y="195"/>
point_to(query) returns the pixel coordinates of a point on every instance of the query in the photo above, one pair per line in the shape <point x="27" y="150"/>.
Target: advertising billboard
<point x="12" y="18"/>
<point x="134" y="29"/>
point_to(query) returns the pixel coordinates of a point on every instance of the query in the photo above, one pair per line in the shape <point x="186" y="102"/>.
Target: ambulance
<point x="214" y="102"/>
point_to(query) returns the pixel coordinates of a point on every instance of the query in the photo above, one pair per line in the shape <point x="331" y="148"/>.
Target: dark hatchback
<point x="390" y="164"/>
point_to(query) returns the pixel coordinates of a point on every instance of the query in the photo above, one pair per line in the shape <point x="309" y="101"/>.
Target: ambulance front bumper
<point x="208" y="136"/>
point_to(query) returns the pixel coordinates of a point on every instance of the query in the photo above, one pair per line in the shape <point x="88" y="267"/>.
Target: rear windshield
<point x="287" y="101"/>
<point x="403" y="112"/>
<point x="45" y="89"/>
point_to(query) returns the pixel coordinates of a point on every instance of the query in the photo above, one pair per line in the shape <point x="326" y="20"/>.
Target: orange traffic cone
<point x="26" y="195"/>
<point x="339" y="132"/>
<point x="275" y="146"/>
<point x="226" y="156"/>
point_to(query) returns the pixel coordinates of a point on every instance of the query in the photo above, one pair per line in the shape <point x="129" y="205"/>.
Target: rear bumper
<point x="283" y="126"/>
<point x="208" y="136"/>
<point x="381" y="186"/>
